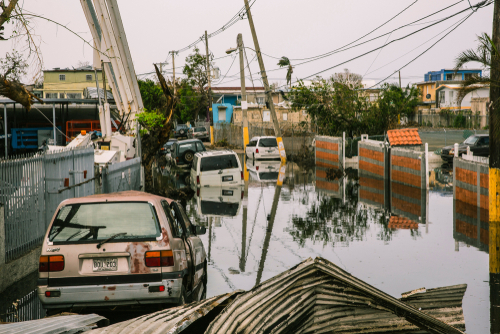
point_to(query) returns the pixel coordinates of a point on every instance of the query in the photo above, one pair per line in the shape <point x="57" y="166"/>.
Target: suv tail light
<point x="242" y="175"/>
<point x="257" y="150"/>
<point x="51" y="263"/>
<point x="256" y="167"/>
<point x="177" y="159"/>
<point x="242" y="194"/>
<point x="198" y="179"/>
<point x="159" y="259"/>
<point x="198" y="192"/>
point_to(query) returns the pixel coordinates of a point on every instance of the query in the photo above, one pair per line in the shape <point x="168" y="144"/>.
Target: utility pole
<point x="173" y="70"/>
<point x="399" y="115"/>
<point x="494" y="176"/>
<point x="244" y="105"/>
<point x="211" y="119"/>
<point x="269" y="95"/>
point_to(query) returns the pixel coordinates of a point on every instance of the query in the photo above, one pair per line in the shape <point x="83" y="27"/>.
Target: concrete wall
<point x="372" y="157"/>
<point x="15" y="270"/>
<point x="373" y="190"/>
<point x="471" y="203"/>
<point x="283" y="114"/>
<point x="408" y="167"/>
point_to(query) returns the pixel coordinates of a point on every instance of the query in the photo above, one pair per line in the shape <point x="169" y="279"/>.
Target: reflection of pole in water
<point x="244" y="229"/>
<point x="209" y="237"/>
<point x="269" y="231"/>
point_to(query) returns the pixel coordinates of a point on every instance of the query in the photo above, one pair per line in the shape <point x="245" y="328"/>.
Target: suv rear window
<point x="268" y="142"/>
<point x="218" y="162"/>
<point x="88" y="223"/>
<point x="201" y="129"/>
<point x="186" y="147"/>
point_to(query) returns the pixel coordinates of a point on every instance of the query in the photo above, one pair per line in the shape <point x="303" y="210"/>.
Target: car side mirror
<point x="200" y="230"/>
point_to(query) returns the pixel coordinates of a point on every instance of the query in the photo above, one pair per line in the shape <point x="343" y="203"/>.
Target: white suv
<point x="263" y="148"/>
<point x="216" y="169"/>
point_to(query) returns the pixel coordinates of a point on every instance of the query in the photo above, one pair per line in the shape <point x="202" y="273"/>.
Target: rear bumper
<point x="111" y="295"/>
<point x="268" y="156"/>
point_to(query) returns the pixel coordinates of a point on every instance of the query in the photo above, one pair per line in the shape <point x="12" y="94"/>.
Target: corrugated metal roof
<point x="54" y="325"/>
<point x="317" y="296"/>
<point x="171" y="321"/>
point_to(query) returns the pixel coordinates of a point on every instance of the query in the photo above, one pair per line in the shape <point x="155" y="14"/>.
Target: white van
<point x="263" y="148"/>
<point x="216" y="169"/>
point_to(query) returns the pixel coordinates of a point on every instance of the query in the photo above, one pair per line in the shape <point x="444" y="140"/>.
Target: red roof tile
<point x="404" y="137"/>
<point x="402" y="223"/>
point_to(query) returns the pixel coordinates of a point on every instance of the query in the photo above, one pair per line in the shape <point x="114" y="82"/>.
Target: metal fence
<point x="22" y="194"/>
<point x="122" y="176"/>
<point x="351" y="144"/>
<point x="295" y="135"/>
<point x="452" y="121"/>
<point x="27" y="308"/>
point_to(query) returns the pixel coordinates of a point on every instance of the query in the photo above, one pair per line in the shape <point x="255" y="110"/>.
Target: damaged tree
<point x="12" y="67"/>
<point x="157" y="125"/>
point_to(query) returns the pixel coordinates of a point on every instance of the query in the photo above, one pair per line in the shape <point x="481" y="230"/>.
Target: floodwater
<point x="256" y="235"/>
<point x="347" y="227"/>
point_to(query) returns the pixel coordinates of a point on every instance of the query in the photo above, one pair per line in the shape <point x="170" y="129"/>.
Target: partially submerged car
<point x="219" y="201"/>
<point x="127" y="248"/>
<point x="263" y="148"/>
<point x="182" y="152"/>
<point x="216" y="169"/>
<point x="167" y="147"/>
<point x="478" y="144"/>
<point x="199" y="132"/>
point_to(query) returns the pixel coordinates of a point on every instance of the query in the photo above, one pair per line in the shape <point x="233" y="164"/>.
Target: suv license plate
<point x="105" y="264"/>
<point x="227" y="193"/>
<point x="227" y="178"/>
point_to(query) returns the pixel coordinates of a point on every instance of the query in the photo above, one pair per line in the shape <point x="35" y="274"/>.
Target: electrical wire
<point x="238" y="16"/>
<point x="411" y="61"/>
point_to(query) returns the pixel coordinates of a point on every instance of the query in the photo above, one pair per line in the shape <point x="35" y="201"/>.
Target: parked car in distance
<point x="479" y="146"/>
<point x="264" y="170"/>
<point x="181" y="130"/>
<point x="199" y="132"/>
<point x="219" y="201"/>
<point x="262" y="148"/>
<point x="125" y="248"/>
<point x="216" y="169"/>
<point x="167" y="146"/>
<point x="182" y="152"/>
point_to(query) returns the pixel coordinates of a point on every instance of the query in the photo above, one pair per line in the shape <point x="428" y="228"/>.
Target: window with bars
<point x="261" y="100"/>
<point x="88" y="77"/>
<point x="61" y="95"/>
<point x="51" y="95"/>
<point x="62" y="77"/>
<point x="74" y="95"/>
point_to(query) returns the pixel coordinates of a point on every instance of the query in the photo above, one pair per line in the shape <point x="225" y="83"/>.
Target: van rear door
<point x="210" y="171"/>
<point x="230" y="168"/>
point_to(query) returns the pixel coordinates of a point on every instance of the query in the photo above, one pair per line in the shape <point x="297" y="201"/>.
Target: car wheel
<point x="181" y="132"/>
<point x="187" y="180"/>
<point x="188" y="156"/>
<point x="182" y="298"/>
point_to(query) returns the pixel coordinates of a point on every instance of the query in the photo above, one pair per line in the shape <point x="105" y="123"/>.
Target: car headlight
<point x="452" y="151"/>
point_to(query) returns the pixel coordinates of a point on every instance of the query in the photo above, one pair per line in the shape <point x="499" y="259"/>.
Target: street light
<point x="231" y="50"/>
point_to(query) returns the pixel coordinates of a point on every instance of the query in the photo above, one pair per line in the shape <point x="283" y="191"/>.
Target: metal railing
<point x="122" y="176"/>
<point x="27" y="308"/>
<point x="22" y="189"/>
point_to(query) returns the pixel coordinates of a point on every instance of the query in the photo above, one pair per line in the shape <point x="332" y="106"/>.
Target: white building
<point x="447" y="96"/>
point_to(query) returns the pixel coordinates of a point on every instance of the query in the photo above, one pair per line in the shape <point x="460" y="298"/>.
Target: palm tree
<point x="487" y="55"/>
<point x="284" y="61"/>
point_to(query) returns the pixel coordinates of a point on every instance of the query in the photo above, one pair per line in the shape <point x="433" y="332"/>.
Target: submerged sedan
<point x="479" y="146"/>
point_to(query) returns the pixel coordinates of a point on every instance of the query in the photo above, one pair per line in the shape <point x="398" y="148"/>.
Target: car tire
<point x="187" y="180"/>
<point x="182" y="297"/>
<point x="181" y="132"/>
<point x="188" y="156"/>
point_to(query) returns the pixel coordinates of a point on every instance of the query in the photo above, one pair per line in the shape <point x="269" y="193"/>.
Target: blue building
<point x="450" y="75"/>
<point x="222" y="112"/>
<point x="228" y="97"/>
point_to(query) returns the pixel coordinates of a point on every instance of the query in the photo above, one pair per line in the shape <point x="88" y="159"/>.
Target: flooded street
<point x="358" y="223"/>
<point x="352" y="232"/>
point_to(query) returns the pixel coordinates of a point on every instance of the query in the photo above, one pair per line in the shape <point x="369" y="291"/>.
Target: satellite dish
<point x="428" y="96"/>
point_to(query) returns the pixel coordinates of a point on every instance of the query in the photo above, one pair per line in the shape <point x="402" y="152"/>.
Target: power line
<point x="238" y="16"/>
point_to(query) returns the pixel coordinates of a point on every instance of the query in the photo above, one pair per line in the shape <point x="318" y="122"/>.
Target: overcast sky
<point x="293" y="28"/>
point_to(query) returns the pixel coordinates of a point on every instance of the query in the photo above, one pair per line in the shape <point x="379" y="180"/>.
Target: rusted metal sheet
<point x="316" y="296"/>
<point x="173" y="320"/>
<point x="54" y="325"/>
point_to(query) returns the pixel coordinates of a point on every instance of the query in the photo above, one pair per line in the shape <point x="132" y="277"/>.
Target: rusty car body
<point x="126" y="248"/>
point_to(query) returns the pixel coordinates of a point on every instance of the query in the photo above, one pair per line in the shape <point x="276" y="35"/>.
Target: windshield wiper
<point x="110" y="238"/>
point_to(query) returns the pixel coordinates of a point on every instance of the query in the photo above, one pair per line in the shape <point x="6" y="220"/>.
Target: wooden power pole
<point x="269" y="95"/>
<point x="209" y="91"/>
<point x="173" y="70"/>
<point x="494" y="186"/>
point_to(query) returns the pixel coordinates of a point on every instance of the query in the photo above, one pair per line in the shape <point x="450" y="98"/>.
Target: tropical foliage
<point x="339" y="104"/>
